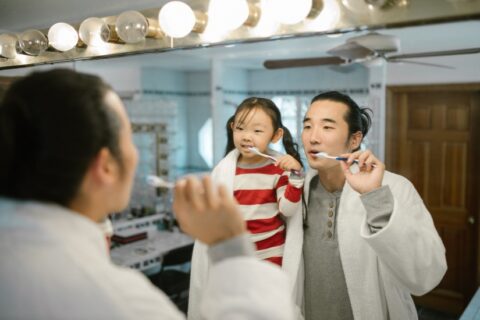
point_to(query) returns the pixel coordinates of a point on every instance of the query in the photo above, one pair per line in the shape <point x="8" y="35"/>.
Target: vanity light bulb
<point x="227" y="15"/>
<point x="62" y="36"/>
<point x="131" y="26"/>
<point x="290" y="11"/>
<point x="9" y="46"/>
<point x="176" y="19"/>
<point x="33" y="42"/>
<point x="94" y="32"/>
<point x="358" y="6"/>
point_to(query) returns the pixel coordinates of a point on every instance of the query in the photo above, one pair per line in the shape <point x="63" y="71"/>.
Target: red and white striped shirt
<point x="266" y="196"/>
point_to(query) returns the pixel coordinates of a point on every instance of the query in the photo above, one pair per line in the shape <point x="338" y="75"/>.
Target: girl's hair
<point x="268" y="106"/>
<point x="52" y="126"/>
<point x="358" y="119"/>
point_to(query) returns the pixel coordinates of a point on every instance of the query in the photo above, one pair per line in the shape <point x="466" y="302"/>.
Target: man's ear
<point x="104" y="168"/>
<point x="355" y="140"/>
<point x="278" y="135"/>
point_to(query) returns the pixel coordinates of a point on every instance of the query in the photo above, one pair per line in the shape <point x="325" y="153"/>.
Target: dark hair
<point x="52" y="125"/>
<point x="273" y="112"/>
<point x="358" y="119"/>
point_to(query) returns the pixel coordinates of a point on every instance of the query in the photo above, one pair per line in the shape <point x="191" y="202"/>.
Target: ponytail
<point x="230" y="145"/>
<point x="290" y="146"/>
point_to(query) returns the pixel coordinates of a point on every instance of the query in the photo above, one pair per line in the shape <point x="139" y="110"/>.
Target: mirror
<point x="196" y="91"/>
<point x="199" y="89"/>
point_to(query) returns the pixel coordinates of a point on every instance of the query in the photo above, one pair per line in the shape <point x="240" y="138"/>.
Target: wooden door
<point x="433" y="140"/>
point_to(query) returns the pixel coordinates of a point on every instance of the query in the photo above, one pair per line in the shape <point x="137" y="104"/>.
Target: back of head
<point x="52" y="125"/>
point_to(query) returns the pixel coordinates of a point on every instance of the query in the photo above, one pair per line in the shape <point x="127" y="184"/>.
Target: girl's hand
<point x="370" y="175"/>
<point x="288" y="163"/>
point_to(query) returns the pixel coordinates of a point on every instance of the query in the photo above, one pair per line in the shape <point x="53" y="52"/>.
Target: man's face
<point x="325" y="130"/>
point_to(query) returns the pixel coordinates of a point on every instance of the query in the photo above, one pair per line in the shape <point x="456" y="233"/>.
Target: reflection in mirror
<point x="194" y="92"/>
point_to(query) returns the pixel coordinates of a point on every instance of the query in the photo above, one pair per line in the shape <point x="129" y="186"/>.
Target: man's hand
<point x="206" y="212"/>
<point x="370" y="174"/>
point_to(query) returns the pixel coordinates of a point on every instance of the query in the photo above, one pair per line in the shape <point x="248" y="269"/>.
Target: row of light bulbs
<point x="175" y="19"/>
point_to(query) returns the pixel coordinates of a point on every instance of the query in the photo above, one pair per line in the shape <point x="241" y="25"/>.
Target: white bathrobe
<point x="383" y="269"/>
<point x="224" y="173"/>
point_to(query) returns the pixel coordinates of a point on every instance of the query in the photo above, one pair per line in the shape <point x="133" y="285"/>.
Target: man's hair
<point x="52" y="126"/>
<point x="358" y="119"/>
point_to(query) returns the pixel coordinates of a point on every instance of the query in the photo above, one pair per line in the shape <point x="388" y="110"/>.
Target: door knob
<point x="471" y="220"/>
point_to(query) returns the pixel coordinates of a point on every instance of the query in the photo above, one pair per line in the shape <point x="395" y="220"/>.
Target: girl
<point x="269" y="193"/>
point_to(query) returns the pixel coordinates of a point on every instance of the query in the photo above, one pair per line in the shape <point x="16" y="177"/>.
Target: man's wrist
<point x="239" y="246"/>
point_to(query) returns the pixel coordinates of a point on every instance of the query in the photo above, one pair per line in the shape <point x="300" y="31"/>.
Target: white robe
<point x="383" y="269"/>
<point x="224" y="173"/>
<point x="55" y="265"/>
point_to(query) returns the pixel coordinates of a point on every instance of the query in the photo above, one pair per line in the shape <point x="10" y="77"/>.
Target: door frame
<point x="474" y="184"/>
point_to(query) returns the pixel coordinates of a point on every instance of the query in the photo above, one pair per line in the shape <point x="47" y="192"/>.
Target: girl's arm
<point x="289" y="193"/>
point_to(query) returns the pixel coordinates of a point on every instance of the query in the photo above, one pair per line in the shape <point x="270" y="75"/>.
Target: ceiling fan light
<point x="62" y="36"/>
<point x="176" y="19"/>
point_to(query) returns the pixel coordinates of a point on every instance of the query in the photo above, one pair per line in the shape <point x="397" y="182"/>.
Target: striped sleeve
<point x="289" y="195"/>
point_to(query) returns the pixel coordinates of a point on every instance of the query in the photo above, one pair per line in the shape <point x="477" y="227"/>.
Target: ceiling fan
<point x="364" y="49"/>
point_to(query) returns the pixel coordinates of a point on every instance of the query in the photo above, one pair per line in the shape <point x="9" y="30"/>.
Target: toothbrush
<point x="326" y="155"/>
<point x="158" y="182"/>
<point x="255" y="150"/>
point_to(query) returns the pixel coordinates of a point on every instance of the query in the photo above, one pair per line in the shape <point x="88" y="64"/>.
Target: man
<point x="368" y="240"/>
<point x="67" y="161"/>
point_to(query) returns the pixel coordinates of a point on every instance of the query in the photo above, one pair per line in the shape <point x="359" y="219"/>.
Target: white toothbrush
<point x="158" y="182"/>
<point x="326" y="155"/>
<point x="255" y="150"/>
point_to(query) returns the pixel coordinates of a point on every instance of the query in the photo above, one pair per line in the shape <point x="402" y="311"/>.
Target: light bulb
<point x="131" y="26"/>
<point x="33" y="42"/>
<point x="290" y="11"/>
<point x="358" y="6"/>
<point x="9" y="45"/>
<point x="94" y="32"/>
<point x="62" y="36"/>
<point x="227" y="15"/>
<point x="176" y="19"/>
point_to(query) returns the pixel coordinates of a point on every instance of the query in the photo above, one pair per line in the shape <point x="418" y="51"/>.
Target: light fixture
<point x="177" y="19"/>
<point x="33" y="42"/>
<point x="229" y="15"/>
<point x="386" y="4"/>
<point x="294" y="11"/>
<point x="62" y="36"/>
<point x="358" y="6"/>
<point x="9" y="46"/>
<point x="94" y="32"/>
<point x="131" y="26"/>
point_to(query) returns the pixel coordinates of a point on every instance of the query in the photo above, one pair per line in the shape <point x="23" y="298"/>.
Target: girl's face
<point x="253" y="128"/>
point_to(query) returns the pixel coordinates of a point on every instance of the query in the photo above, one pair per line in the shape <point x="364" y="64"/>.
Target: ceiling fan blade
<point x="435" y="54"/>
<point x="351" y="51"/>
<point x="422" y="63"/>
<point x="304" y="62"/>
